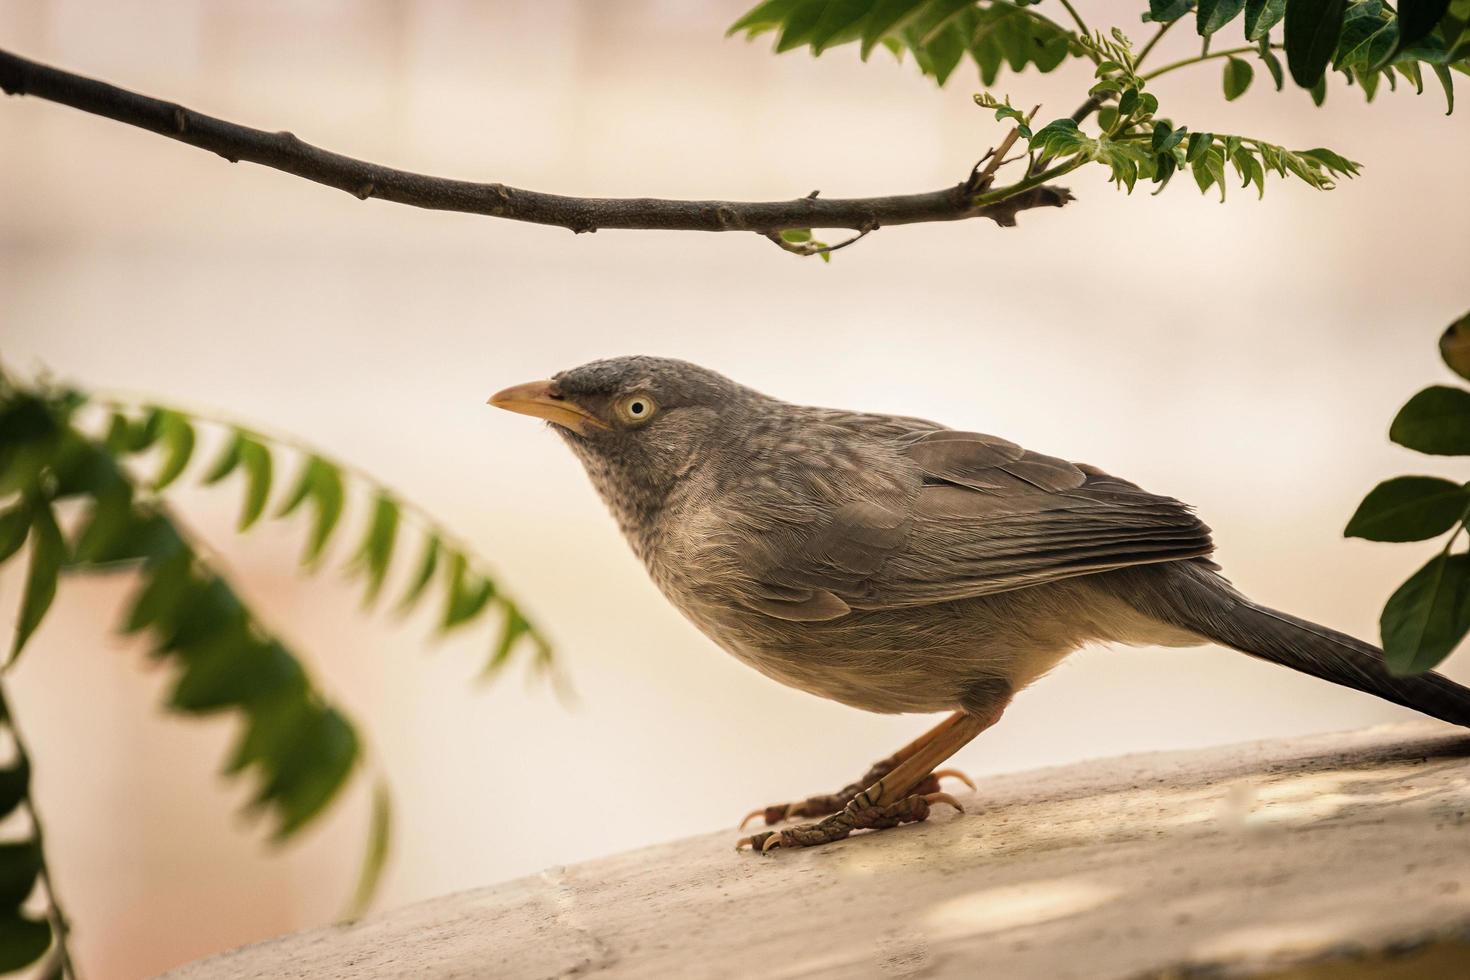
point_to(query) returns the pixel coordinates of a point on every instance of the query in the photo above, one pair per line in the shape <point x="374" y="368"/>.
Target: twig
<point x="1158" y="36"/>
<point x="981" y="180"/>
<point x="1207" y="56"/>
<point x="285" y="152"/>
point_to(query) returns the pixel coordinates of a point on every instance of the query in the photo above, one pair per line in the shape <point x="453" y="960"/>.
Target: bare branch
<point x="285" y="152"/>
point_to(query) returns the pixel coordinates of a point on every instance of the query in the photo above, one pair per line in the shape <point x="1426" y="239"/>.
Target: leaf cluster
<point x="1366" y="40"/>
<point x="1429" y="615"/>
<point x="299" y="748"/>
<point x="295" y="746"/>
<point x="78" y="496"/>
<point x="939" y="34"/>
<point x="319" y="490"/>
<point x="1135" y="144"/>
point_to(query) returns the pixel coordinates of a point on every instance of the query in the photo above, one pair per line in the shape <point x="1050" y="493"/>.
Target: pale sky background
<point x="1245" y="358"/>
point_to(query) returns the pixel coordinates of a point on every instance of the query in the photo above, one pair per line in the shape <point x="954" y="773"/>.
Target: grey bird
<point x="896" y="565"/>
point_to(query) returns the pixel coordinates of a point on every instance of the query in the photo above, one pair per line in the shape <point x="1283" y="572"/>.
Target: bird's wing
<point x="951" y="515"/>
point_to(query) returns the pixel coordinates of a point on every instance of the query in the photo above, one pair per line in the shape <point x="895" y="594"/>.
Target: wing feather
<point x="946" y="515"/>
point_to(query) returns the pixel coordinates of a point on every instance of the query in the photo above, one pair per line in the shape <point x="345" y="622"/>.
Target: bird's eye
<point x="636" y="409"/>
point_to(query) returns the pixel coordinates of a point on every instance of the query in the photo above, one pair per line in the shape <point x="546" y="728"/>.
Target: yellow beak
<point x="537" y="398"/>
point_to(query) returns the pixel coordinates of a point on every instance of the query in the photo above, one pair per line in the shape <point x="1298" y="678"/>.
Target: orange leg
<point x="902" y="793"/>
<point x="825" y="803"/>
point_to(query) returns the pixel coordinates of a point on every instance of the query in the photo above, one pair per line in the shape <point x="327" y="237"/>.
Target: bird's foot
<point x="823" y="804"/>
<point x="853" y="816"/>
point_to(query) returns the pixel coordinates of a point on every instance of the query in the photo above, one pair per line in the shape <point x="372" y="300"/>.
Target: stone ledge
<point x="1340" y="855"/>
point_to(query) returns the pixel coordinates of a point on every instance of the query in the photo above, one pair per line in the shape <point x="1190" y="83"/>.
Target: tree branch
<point x="285" y="152"/>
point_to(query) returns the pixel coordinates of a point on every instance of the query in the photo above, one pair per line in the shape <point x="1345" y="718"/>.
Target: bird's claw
<point x="910" y="809"/>
<point x="939" y="774"/>
<point x="819" y="806"/>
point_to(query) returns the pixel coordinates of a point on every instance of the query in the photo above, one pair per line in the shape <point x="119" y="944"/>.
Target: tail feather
<point x="1191" y="596"/>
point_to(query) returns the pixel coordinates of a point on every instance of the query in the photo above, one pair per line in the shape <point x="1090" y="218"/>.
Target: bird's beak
<point x="538" y="398"/>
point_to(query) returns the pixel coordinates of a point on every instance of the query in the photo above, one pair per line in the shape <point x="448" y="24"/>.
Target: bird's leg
<point x="892" y="799"/>
<point x="825" y="803"/>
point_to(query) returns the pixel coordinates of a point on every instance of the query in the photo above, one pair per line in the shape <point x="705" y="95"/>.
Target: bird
<point x="897" y="565"/>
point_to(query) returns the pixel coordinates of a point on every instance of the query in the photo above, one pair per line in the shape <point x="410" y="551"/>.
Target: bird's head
<point x="638" y="424"/>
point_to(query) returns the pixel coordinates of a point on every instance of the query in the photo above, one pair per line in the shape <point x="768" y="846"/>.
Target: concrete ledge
<point x="1341" y="855"/>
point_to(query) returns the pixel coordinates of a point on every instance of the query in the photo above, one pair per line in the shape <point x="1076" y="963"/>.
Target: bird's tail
<point x="1189" y="595"/>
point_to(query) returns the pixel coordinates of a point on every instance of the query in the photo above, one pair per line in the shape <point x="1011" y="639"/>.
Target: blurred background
<point x="1246" y="358"/>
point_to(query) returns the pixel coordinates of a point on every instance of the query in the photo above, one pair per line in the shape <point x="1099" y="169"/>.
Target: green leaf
<point x="841" y="22"/>
<point x="1060" y="137"/>
<point x="763" y="17"/>
<point x="1261" y="16"/>
<point x="205" y="609"/>
<point x="22" y="941"/>
<point x="1447" y="82"/>
<point x="255" y="457"/>
<point x="109" y="523"/>
<point x="514" y="628"/>
<point x="48" y="553"/>
<point x="421" y="578"/>
<point x="320" y="482"/>
<point x="1435" y="421"/>
<point x="1312" y="30"/>
<point x="1319" y="91"/>
<point x="323" y="751"/>
<point x="887" y="15"/>
<point x="1211" y="15"/>
<point x="380" y="831"/>
<point x="376" y="551"/>
<point x="304" y="752"/>
<point x="937" y="32"/>
<point x="1165" y="137"/>
<point x="15" y="786"/>
<point x="177" y="436"/>
<point x="234" y="669"/>
<point x="799" y="24"/>
<point x="1164" y="11"/>
<point x="468" y="593"/>
<point x="1238" y="75"/>
<point x="157" y="601"/>
<point x="1249" y="169"/>
<point x="1409" y="508"/>
<point x="1199" y="144"/>
<point x="1273" y="65"/>
<point x="1428" y="616"/>
<point x="20" y="863"/>
<point x="229" y="458"/>
<point x="1416" y="19"/>
<point x="15" y="524"/>
<point x="1334" y="163"/>
<point x="796" y="236"/>
<point x="1454" y="347"/>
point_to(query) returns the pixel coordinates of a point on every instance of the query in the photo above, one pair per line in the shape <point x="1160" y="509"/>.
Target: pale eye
<point x="637" y="409"/>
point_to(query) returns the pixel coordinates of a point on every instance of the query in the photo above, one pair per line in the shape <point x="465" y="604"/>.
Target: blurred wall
<point x="1246" y="358"/>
